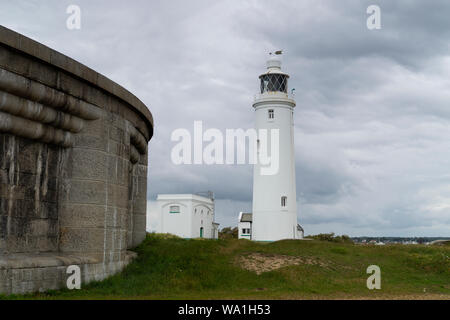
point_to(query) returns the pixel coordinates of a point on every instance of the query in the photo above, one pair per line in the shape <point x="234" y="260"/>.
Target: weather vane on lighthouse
<point x="276" y="52"/>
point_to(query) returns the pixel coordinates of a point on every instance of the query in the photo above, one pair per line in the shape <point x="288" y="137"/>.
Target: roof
<point x="174" y="197"/>
<point x="246" y="217"/>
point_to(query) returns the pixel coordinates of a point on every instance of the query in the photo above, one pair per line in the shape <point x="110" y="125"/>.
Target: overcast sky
<point x="372" y="122"/>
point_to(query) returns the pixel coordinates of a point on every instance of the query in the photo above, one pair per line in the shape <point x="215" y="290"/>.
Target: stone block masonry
<point x="73" y="168"/>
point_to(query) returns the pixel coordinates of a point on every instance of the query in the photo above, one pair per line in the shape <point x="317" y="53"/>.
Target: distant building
<point x="187" y="215"/>
<point x="245" y="226"/>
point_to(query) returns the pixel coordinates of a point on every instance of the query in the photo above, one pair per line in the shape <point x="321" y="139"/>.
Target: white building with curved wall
<point x="187" y="216"/>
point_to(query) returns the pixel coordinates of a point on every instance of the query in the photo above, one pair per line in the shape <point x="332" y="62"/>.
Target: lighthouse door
<point x="201" y="232"/>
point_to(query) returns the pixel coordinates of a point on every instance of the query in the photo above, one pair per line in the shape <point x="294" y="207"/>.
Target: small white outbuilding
<point x="187" y="215"/>
<point x="245" y="225"/>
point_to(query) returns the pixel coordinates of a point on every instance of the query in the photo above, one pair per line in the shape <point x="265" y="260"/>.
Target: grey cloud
<point x="372" y="120"/>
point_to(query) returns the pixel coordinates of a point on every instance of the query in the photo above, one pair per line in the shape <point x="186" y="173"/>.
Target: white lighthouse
<point x="274" y="195"/>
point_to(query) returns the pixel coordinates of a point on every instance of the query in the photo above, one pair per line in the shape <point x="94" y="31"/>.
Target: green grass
<point x="174" y="268"/>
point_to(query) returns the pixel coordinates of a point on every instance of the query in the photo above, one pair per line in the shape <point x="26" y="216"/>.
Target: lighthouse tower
<point x="274" y="194"/>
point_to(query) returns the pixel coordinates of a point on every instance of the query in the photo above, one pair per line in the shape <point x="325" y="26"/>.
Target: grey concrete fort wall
<point x="73" y="168"/>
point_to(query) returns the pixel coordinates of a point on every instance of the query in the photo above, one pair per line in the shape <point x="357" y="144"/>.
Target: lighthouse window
<point x="273" y="82"/>
<point x="283" y="201"/>
<point x="271" y="114"/>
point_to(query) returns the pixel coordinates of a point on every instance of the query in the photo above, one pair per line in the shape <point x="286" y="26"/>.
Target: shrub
<point x="228" y="233"/>
<point x="330" y="237"/>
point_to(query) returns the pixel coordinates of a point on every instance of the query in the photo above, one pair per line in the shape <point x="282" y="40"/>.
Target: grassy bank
<point x="173" y="268"/>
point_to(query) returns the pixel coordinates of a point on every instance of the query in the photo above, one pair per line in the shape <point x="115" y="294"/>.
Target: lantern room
<point x="274" y="80"/>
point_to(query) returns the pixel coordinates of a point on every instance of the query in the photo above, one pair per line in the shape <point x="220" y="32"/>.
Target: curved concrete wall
<point x="73" y="167"/>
